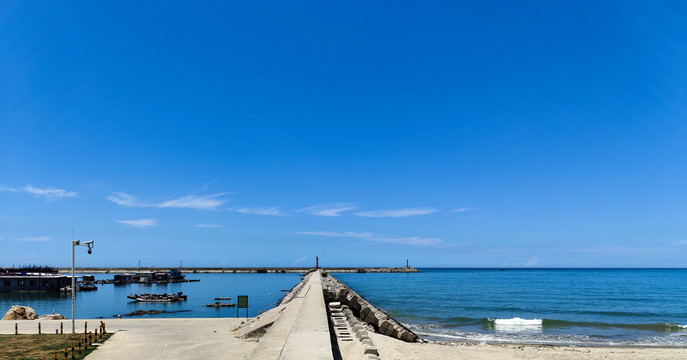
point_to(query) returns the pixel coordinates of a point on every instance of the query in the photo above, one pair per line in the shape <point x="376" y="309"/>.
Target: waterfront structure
<point x="25" y="281"/>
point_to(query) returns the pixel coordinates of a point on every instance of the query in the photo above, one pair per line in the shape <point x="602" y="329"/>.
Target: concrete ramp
<point x="302" y="329"/>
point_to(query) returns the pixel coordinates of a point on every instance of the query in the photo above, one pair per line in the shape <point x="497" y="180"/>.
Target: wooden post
<point x="85" y="343"/>
<point x="73" y="351"/>
<point x="66" y="353"/>
<point x="39" y="328"/>
<point x="85" y="327"/>
<point x="79" y="346"/>
<point x="16" y="329"/>
<point x="61" y="328"/>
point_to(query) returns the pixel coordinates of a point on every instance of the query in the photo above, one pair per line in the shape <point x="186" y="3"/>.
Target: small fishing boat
<point x="219" y="304"/>
<point x="158" y="297"/>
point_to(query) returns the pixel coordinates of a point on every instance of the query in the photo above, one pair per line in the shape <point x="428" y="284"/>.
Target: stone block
<point x="367" y="341"/>
<point x="408" y="336"/>
<point x="371" y="318"/>
<point x="334" y="305"/>
<point x="383" y="325"/>
<point x="363" y="312"/>
<point x="361" y="334"/>
<point x="370" y="350"/>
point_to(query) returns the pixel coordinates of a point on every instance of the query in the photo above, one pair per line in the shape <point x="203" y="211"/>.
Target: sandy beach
<point x="393" y="349"/>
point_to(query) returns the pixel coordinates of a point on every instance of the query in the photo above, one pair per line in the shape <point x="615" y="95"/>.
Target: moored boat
<point x="158" y="297"/>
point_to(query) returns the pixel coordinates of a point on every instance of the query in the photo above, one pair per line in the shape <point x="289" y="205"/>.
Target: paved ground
<point x="155" y="339"/>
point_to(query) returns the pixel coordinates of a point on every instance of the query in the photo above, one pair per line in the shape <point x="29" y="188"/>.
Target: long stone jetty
<point x="320" y="318"/>
<point x="237" y="270"/>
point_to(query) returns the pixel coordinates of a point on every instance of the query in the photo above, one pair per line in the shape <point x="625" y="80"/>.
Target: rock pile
<point x="335" y="290"/>
<point x="17" y="312"/>
<point x="52" y="317"/>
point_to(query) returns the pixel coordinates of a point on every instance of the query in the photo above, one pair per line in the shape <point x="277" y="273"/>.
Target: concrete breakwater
<point x="237" y="270"/>
<point x="337" y="291"/>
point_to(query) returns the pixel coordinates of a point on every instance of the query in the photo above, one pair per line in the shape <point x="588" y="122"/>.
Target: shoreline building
<point x="32" y="281"/>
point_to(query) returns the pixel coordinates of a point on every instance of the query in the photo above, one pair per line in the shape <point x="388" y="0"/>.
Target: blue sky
<point x="265" y="133"/>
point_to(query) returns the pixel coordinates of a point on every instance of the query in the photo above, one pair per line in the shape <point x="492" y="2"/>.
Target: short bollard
<point x="55" y="356"/>
<point x="16" y="329"/>
<point x="61" y="328"/>
<point x="66" y="354"/>
<point x="73" y="351"/>
<point x="96" y="335"/>
<point x="104" y="328"/>
<point x="39" y="328"/>
<point x="85" y="327"/>
<point x="79" y="347"/>
<point x="85" y="344"/>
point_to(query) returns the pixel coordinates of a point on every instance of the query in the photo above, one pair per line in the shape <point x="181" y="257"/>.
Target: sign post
<point x="241" y="302"/>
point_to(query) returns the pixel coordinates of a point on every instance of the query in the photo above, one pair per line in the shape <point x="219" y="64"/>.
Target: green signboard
<point x="242" y="301"/>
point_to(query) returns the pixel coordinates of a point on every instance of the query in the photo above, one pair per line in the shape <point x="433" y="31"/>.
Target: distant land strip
<point x="237" y="270"/>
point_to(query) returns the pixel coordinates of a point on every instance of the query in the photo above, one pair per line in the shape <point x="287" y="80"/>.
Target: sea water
<point x="644" y="307"/>
<point x="263" y="291"/>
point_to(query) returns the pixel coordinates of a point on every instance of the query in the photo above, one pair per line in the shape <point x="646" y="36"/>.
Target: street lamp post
<point x="89" y="244"/>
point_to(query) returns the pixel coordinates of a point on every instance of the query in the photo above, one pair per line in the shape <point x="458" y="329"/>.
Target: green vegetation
<point x="36" y="347"/>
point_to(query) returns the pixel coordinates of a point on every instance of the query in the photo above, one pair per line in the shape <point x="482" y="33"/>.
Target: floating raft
<point x="158" y="297"/>
<point x="219" y="304"/>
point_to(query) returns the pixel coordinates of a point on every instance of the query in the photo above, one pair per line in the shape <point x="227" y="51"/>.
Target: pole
<point x="73" y="288"/>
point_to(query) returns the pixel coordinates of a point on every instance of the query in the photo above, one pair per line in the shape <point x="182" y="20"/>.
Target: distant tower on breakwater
<point x="317" y="262"/>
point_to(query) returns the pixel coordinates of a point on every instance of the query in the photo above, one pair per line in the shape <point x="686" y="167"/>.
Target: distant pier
<point x="238" y="270"/>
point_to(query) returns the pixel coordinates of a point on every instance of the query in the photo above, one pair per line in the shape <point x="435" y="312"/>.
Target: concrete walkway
<point x="154" y="339"/>
<point x="301" y="331"/>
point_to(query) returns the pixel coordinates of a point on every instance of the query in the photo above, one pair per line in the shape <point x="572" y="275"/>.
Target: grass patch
<point x="37" y="347"/>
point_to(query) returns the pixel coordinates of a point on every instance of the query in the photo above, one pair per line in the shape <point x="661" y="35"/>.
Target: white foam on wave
<point x="518" y="322"/>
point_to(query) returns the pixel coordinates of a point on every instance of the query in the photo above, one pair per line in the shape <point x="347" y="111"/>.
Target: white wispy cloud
<point x="463" y="209"/>
<point x="273" y="211"/>
<point x="207" y="225"/>
<point x="205" y="202"/>
<point x="533" y="261"/>
<point x="37" y="239"/>
<point x="397" y="213"/>
<point x="139" y="224"/>
<point x="124" y="199"/>
<point x="411" y="240"/>
<point x="299" y="260"/>
<point x="200" y="202"/>
<point x="327" y="210"/>
<point x="50" y="193"/>
<point x="679" y="242"/>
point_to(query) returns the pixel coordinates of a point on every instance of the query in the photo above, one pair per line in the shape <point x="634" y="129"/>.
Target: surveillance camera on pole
<point x="75" y="243"/>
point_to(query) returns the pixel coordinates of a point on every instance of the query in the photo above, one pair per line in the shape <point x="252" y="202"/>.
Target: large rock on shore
<point x="17" y="312"/>
<point x="52" y="317"/>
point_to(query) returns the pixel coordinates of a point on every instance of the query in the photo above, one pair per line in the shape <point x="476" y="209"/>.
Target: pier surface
<point x="302" y="329"/>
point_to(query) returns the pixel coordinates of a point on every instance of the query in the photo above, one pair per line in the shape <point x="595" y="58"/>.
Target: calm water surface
<point x="620" y="307"/>
<point x="263" y="292"/>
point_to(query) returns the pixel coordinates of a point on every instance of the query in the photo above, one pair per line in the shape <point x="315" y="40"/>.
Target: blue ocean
<point x="263" y="291"/>
<point x="643" y="307"/>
